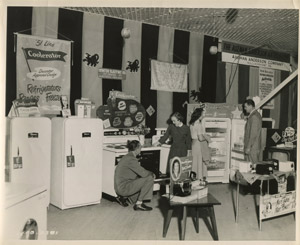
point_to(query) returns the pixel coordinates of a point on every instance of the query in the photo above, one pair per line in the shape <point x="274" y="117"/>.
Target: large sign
<point x="255" y="61"/>
<point x="266" y="85"/>
<point x="43" y="71"/>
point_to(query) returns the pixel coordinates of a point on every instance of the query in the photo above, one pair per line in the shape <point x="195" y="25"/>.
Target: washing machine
<point x="25" y="212"/>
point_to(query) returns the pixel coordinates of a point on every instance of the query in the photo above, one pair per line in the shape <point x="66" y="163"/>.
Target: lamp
<point x="213" y="50"/>
<point x="125" y="33"/>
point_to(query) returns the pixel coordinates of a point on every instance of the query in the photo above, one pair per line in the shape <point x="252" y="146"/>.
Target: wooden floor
<point x="110" y="221"/>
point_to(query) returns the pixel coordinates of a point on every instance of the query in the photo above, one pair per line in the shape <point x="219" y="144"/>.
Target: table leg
<point x="167" y="222"/>
<point x="213" y="222"/>
<point x="237" y="203"/>
<point x="197" y="220"/>
<point x="183" y="223"/>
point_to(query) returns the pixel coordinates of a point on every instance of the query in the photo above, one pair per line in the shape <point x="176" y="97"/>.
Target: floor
<point x="110" y="221"/>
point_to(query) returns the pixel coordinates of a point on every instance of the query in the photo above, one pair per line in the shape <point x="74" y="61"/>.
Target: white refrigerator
<point x="76" y="166"/>
<point x="237" y="145"/>
<point x="219" y="131"/>
<point x="28" y="151"/>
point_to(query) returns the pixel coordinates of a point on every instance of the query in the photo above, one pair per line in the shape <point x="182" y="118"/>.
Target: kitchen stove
<point x="114" y="148"/>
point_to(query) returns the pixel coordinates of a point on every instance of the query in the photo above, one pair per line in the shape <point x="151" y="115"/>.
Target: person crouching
<point x="132" y="180"/>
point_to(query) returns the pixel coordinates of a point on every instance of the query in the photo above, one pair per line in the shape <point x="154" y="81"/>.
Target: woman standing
<point x="200" y="140"/>
<point x="181" y="138"/>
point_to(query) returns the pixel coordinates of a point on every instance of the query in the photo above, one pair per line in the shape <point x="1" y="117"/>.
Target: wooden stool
<point x="206" y="202"/>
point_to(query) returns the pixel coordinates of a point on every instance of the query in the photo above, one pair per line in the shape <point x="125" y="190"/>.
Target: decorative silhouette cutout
<point x="91" y="60"/>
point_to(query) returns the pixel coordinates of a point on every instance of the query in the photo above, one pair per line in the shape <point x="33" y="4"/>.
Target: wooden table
<point x="205" y="202"/>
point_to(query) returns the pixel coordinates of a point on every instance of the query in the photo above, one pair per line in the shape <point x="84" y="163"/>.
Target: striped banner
<point x="70" y="28"/>
<point x="181" y="55"/>
<point x="45" y="22"/>
<point x="243" y="83"/>
<point x="92" y="58"/>
<point x="275" y="113"/>
<point x="112" y="53"/>
<point x="150" y="35"/>
<point x="221" y="83"/>
<point x="232" y="76"/>
<point x="253" y="84"/>
<point x="209" y="70"/>
<point x="284" y="103"/>
<point x="132" y="59"/>
<point x="21" y="25"/>
<point x="164" y="53"/>
<point x="195" y="62"/>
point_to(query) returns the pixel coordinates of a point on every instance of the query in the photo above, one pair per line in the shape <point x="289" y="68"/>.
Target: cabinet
<point x="219" y="131"/>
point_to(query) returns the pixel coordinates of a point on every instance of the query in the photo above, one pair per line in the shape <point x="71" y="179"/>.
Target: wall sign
<point x="266" y="85"/>
<point x="255" y="61"/>
<point x="112" y="74"/>
<point x="43" y="71"/>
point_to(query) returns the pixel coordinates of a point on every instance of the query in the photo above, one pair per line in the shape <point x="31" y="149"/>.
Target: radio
<point x="286" y="166"/>
<point x="182" y="188"/>
<point x="265" y="168"/>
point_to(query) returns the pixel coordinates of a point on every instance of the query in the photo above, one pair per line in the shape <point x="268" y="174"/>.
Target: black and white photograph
<point x="100" y="98"/>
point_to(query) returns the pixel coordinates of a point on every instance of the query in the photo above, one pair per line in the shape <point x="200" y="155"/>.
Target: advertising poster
<point x="266" y="85"/>
<point x="180" y="170"/>
<point x="43" y="71"/>
<point x="122" y="111"/>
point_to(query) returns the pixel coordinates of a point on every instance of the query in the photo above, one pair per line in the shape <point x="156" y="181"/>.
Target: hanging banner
<point x="168" y="76"/>
<point x="266" y="85"/>
<point x="255" y="61"/>
<point x="43" y="71"/>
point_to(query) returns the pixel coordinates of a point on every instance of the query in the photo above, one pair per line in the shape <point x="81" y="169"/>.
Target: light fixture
<point x="213" y="50"/>
<point x="125" y="33"/>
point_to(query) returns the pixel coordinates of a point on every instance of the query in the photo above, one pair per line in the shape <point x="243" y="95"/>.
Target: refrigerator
<point x="76" y="164"/>
<point x="219" y="130"/>
<point x="28" y="151"/>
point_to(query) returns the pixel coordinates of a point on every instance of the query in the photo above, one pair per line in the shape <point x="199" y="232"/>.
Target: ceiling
<point x="275" y="29"/>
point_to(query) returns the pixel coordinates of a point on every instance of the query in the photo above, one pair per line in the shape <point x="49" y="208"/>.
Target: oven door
<point x="150" y="161"/>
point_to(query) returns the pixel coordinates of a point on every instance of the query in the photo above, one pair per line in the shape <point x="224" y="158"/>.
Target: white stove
<point x="114" y="148"/>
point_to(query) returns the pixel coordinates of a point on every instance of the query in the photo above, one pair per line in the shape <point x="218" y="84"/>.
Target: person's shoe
<point x="141" y="207"/>
<point x="122" y="201"/>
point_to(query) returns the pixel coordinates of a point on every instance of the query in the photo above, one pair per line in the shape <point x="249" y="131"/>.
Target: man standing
<point x="252" y="137"/>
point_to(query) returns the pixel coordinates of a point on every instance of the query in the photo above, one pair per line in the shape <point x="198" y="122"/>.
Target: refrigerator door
<point x="30" y="149"/>
<point x="82" y="165"/>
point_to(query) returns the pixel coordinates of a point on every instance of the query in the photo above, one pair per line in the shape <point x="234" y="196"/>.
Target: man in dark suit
<point x="252" y="137"/>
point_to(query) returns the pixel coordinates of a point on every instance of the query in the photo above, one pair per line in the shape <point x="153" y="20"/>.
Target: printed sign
<point x="266" y="85"/>
<point x="180" y="170"/>
<point x="18" y="162"/>
<point x="43" y="71"/>
<point x="254" y="61"/>
<point x="112" y="74"/>
<point x="278" y="204"/>
<point x="70" y="161"/>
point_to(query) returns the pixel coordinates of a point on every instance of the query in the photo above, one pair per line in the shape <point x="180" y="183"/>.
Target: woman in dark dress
<point x="181" y="138"/>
